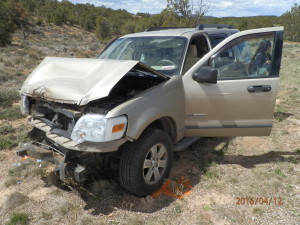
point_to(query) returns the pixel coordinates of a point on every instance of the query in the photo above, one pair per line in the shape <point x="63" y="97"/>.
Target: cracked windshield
<point x="164" y="54"/>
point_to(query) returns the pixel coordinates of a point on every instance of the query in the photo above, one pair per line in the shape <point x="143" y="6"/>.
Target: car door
<point x="242" y="101"/>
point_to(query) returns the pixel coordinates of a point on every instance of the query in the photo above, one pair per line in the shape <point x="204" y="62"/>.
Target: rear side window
<point x="217" y="38"/>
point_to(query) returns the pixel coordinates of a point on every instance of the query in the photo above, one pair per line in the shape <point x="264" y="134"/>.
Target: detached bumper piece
<point x="34" y="151"/>
<point x="50" y="154"/>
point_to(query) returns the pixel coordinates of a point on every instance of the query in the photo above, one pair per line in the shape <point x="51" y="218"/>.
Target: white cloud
<point x="133" y="6"/>
<point x="218" y="8"/>
<point x="252" y="8"/>
<point x="225" y="5"/>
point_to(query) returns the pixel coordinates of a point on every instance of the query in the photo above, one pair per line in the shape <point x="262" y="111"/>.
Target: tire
<point x="146" y="162"/>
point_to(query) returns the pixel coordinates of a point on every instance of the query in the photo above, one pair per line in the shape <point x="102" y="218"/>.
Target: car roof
<point x="179" y="32"/>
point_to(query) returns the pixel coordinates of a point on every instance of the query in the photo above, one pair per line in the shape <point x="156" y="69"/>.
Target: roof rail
<point x="162" y="28"/>
<point x="217" y="26"/>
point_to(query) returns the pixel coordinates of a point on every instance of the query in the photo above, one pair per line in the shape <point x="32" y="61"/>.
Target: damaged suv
<point x="146" y="96"/>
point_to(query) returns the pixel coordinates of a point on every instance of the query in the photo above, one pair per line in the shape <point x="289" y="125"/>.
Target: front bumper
<point x="67" y="143"/>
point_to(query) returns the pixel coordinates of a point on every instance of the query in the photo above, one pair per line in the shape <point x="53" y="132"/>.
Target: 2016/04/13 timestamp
<point x="259" y="201"/>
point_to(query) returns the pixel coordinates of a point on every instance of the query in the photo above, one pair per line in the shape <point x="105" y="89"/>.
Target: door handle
<point x="259" y="88"/>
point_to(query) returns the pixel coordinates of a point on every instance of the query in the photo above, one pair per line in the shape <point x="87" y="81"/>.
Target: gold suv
<point x="148" y="95"/>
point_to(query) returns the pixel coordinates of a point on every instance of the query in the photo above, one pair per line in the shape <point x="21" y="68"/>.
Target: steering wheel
<point x="164" y="61"/>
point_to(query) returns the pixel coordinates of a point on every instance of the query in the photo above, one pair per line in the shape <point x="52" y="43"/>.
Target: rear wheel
<point x="146" y="162"/>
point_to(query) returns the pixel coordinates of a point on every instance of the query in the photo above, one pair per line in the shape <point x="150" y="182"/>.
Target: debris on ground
<point x="174" y="188"/>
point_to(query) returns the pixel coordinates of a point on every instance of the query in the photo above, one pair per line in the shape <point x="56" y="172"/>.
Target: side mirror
<point x="206" y="75"/>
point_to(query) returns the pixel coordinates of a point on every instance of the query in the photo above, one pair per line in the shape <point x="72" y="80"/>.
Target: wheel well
<point x="166" y="124"/>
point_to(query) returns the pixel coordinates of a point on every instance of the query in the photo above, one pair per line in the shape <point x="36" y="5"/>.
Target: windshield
<point x="163" y="54"/>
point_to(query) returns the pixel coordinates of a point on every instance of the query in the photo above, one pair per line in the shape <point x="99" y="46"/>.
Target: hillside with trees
<point x="108" y="23"/>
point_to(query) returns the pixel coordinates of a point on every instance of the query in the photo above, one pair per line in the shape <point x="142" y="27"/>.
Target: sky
<point x="218" y="8"/>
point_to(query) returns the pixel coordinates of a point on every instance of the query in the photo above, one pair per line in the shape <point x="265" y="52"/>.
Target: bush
<point x="6" y="129"/>
<point x="291" y="22"/>
<point x="11" y="113"/>
<point x="7" y="27"/>
<point x="7" y="96"/>
<point x="4" y="76"/>
<point x="11" y="137"/>
<point x="103" y="28"/>
<point x="7" y="142"/>
<point x="19" y="219"/>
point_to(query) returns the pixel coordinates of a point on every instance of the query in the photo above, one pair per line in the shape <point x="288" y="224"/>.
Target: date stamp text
<point x="259" y="201"/>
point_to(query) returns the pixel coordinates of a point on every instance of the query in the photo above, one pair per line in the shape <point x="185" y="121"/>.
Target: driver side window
<point x="196" y="50"/>
<point x="248" y="58"/>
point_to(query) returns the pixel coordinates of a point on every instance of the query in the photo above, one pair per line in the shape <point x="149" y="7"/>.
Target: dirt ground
<point x="239" y="180"/>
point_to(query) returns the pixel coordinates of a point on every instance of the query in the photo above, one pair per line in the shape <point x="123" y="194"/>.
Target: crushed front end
<point x="51" y="141"/>
<point x="67" y="101"/>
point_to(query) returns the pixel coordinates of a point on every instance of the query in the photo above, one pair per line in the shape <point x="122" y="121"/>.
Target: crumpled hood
<point x="76" y="80"/>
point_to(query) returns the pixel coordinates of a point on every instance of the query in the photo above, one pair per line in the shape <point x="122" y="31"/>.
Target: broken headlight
<point x="97" y="128"/>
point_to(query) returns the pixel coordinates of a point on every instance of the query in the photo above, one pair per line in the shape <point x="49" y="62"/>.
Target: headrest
<point x="192" y="52"/>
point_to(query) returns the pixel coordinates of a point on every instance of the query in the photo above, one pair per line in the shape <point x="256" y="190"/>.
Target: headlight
<point x="96" y="128"/>
<point x="24" y="105"/>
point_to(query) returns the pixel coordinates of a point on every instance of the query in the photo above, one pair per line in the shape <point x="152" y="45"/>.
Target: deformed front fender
<point x="164" y="100"/>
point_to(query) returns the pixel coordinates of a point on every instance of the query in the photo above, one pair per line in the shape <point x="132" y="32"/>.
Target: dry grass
<point x="14" y="201"/>
<point x="221" y="170"/>
<point x="12" y="132"/>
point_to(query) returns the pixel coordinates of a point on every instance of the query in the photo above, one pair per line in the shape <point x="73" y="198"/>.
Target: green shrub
<point x="19" y="60"/>
<point x="9" y="64"/>
<point x="7" y="27"/>
<point x="19" y="219"/>
<point x="6" y="129"/>
<point x="4" y="76"/>
<point x="6" y="142"/>
<point x="7" y="96"/>
<point x="11" y="137"/>
<point x="11" y="113"/>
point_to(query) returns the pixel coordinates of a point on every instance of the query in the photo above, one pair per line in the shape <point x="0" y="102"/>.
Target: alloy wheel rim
<point x="155" y="163"/>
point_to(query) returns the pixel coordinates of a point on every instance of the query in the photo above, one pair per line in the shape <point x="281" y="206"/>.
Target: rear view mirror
<point x="206" y="75"/>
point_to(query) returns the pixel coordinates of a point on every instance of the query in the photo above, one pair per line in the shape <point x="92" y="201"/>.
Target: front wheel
<point x="146" y="162"/>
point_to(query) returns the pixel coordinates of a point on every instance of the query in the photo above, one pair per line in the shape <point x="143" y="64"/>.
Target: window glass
<point x="163" y="54"/>
<point x="248" y="58"/>
<point x="197" y="48"/>
<point x="217" y="38"/>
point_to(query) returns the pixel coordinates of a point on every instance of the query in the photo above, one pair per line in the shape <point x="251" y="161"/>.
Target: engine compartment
<point x="132" y="84"/>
